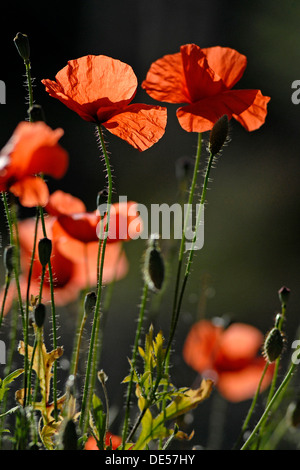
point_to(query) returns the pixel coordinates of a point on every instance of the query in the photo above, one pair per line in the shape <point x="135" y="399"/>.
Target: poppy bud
<point x="154" y="269"/>
<point x="70" y="438"/>
<point x="22" y="44"/>
<point x="284" y="294"/>
<point x="273" y="344"/>
<point x="36" y="113"/>
<point x="8" y="259"/>
<point x="183" y="167"/>
<point x="39" y="315"/>
<point x="89" y="303"/>
<point x="293" y="413"/>
<point x="45" y="248"/>
<point x="218" y="135"/>
<point x="102" y="198"/>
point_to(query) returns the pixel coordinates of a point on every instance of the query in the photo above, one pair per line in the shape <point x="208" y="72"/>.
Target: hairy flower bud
<point x="45" y="249"/>
<point x="8" y="259"/>
<point x="39" y="315"/>
<point x="36" y="113"/>
<point x="102" y="198"/>
<point x="154" y="269"/>
<point x="70" y="438"/>
<point x="284" y="294"/>
<point x="218" y="135"/>
<point x="22" y="44"/>
<point x="90" y="303"/>
<point x="273" y="344"/>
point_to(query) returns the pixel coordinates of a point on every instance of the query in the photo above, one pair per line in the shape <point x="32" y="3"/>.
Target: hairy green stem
<point x="133" y="362"/>
<point x="91" y="354"/>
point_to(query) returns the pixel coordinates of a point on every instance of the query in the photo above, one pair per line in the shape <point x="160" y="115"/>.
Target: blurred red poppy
<point x="32" y="149"/>
<point x="229" y="356"/>
<point x="110" y="440"/>
<point x="203" y="78"/>
<point x="100" y="89"/>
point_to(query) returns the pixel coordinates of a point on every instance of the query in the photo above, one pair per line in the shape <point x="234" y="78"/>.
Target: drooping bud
<point x="293" y="413"/>
<point x="39" y="315"/>
<point x="284" y="294"/>
<point x="36" y="113"/>
<point x="273" y="344"/>
<point x="154" y="268"/>
<point x="45" y="249"/>
<point x="70" y="438"/>
<point x="218" y="135"/>
<point x="102" y="198"/>
<point x="90" y="303"/>
<point x="22" y="44"/>
<point x="8" y="259"/>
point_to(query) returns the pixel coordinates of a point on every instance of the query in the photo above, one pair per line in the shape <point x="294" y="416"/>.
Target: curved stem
<point x="269" y="406"/>
<point x="251" y="409"/>
<point x="89" y="369"/>
<point x="133" y="361"/>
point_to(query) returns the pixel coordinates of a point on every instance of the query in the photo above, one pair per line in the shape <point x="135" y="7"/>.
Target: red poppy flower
<point x="203" y="78"/>
<point x="32" y="149"/>
<point x="229" y="356"/>
<point x="100" y="89"/>
<point x="110" y="440"/>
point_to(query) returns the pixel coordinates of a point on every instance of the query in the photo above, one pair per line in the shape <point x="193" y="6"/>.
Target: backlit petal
<point x="201" y="116"/>
<point x="64" y="203"/>
<point x="227" y="63"/>
<point x="32" y="191"/>
<point x="201" y="345"/>
<point x="255" y="115"/>
<point x="140" y="125"/>
<point x="165" y="80"/>
<point x="91" y="83"/>
<point x="241" y="385"/>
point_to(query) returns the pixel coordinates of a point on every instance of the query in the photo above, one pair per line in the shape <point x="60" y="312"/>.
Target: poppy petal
<point x="227" y="63"/>
<point x="201" y="116"/>
<point x="255" y="115"/>
<point x="140" y="125"/>
<point x="92" y="82"/>
<point x="201" y="80"/>
<point x="64" y="203"/>
<point x="165" y="80"/>
<point x="241" y="385"/>
<point x="81" y="226"/>
<point x="125" y="222"/>
<point x="31" y="191"/>
<point x="201" y="344"/>
<point x="238" y="346"/>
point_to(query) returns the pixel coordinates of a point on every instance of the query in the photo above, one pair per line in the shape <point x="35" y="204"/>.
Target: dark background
<point x="251" y="221"/>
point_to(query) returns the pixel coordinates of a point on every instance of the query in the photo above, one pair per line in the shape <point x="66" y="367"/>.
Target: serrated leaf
<point x="184" y="402"/>
<point x="7" y="380"/>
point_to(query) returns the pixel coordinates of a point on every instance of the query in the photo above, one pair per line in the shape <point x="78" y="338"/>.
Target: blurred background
<point x="251" y="245"/>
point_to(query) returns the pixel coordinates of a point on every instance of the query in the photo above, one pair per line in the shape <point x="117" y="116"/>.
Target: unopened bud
<point x="102" y="198"/>
<point x="8" y="259"/>
<point x="284" y="294"/>
<point x="45" y="249"/>
<point x="218" y="135"/>
<point x="36" y="113"/>
<point x="293" y="413"/>
<point x="183" y="167"/>
<point x="22" y="44"/>
<point x="154" y="268"/>
<point x="90" y="303"/>
<point x="70" y="438"/>
<point x="273" y="344"/>
<point x="39" y="315"/>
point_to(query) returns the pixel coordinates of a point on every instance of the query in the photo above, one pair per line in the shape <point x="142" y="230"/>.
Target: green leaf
<point x="182" y="403"/>
<point x="7" y="380"/>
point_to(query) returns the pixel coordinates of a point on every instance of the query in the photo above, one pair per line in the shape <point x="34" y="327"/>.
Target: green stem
<point x="29" y="83"/>
<point x="251" y="409"/>
<point x="133" y="362"/>
<point x="53" y="315"/>
<point x="269" y="406"/>
<point x="190" y="258"/>
<point x="7" y="284"/>
<point x="91" y="354"/>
